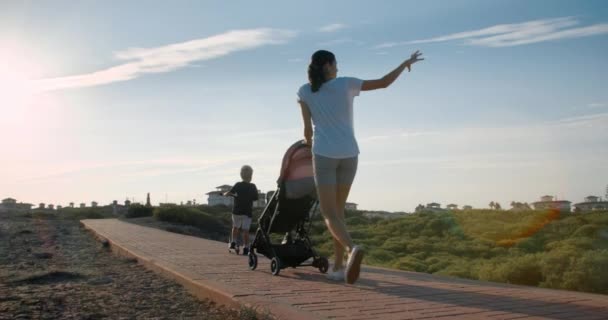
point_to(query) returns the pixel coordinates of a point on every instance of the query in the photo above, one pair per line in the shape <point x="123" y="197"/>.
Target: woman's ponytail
<point x="316" y="73"/>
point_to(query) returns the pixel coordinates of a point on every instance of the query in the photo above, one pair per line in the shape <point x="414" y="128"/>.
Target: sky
<point x="109" y="100"/>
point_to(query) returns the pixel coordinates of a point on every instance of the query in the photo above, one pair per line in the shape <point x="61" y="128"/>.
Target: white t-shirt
<point x="331" y="108"/>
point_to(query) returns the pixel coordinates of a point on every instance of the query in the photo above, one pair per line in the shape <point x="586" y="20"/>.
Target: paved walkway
<point x="208" y="270"/>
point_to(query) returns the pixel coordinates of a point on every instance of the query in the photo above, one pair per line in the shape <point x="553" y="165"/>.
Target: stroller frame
<point x="284" y="216"/>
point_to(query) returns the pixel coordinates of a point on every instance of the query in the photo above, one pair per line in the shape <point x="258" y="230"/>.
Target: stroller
<point x="289" y="212"/>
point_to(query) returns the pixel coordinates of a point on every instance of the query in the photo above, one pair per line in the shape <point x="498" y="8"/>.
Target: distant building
<point x="59" y="207"/>
<point x="547" y="202"/>
<point x="24" y="207"/>
<point x="430" y="207"/>
<point x="467" y="207"/>
<point x="384" y="214"/>
<point x="71" y="204"/>
<point x="94" y="204"/>
<point x="51" y="207"/>
<point x="41" y="205"/>
<point x="217" y="198"/>
<point x="350" y="206"/>
<point x="8" y="204"/>
<point x="83" y="205"/>
<point x="11" y="204"/>
<point x="591" y="203"/>
<point x="452" y="206"/>
<point x="127" y="203"/>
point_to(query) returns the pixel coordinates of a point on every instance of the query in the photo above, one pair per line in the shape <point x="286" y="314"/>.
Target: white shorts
<point x="241" y="221"/>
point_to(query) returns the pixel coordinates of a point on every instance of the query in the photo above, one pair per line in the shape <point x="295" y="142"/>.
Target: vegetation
<point x="215" y="225"/>
<point x="536" y="248"/>
<point x="520" y="247"/>
<point x="138" y="211"/>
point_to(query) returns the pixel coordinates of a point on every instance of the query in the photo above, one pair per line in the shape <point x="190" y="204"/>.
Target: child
<point x="244" y="193"/>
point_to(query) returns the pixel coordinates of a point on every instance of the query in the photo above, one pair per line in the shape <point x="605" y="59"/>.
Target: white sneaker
<point x="337" y="275"/>
<point x="353" y="264"/>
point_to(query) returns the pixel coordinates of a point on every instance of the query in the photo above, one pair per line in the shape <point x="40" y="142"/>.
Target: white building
<point x="350" y="206"/>
<point x="217" y="198"/>
<point x="430" y="207"/>
<point x="591" y="203"/>
<point x="11" y="204"/>
<point x="547" y="203"/>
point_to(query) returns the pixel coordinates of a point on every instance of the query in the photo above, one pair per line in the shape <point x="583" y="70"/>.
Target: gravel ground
<point x="51" y="268"/>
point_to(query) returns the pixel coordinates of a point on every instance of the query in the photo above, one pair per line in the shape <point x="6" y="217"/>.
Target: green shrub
<point x="138" y="211"/>
<point x="210" y="224"/>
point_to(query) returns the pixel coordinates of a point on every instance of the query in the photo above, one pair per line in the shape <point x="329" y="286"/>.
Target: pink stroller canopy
<point x="297" y="172"/>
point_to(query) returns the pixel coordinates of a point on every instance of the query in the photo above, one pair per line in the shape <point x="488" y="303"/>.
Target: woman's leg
<point x="329" y="209"/>
<point x="342" y="191"/>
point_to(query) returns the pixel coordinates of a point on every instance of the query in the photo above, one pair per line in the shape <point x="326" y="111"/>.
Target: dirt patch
<point x="51" y="268"/>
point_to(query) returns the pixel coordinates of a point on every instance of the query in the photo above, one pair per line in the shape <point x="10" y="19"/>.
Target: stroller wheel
<point x="275" y="266"/>
<point x="323" y="264"/>
<point x="253" y="260"/>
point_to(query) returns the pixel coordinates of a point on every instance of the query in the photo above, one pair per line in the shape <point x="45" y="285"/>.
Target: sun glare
<point x="17" y="87"/>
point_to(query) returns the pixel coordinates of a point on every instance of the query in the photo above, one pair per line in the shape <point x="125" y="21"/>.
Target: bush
<point x="138" y="211"/>
<point x="212" y="225"/>
<point x="86" y="213"/>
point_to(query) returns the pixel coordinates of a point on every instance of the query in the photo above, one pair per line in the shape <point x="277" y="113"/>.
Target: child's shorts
<point x="241" y="221"/>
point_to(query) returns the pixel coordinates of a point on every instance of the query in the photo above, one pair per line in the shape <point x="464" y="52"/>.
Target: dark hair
<point x="316" y="76"/>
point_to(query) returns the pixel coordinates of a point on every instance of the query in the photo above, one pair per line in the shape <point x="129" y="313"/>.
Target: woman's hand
<point x="415" y="57"/>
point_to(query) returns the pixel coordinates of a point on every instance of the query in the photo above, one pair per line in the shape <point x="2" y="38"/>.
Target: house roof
<point x="560" y="201"/>
<point x="592" y="203"/>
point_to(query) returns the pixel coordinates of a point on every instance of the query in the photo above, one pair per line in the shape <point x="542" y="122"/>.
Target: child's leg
<point x="245" y="232"/>
<point x="235" y="229"/>
<point x="235" y="235"/>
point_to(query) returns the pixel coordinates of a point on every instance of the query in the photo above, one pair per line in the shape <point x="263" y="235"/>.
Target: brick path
<point x="208" y="270"/>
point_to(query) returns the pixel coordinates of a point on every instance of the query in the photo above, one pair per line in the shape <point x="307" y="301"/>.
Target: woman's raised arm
<point x="388" y="79"/>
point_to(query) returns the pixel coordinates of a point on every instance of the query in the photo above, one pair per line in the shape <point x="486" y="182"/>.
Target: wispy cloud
<point x="332" y="27"/>
<point x="147" y="167"/>
<point x="597" y="105"/>
<point x="393" y="135"/>
<point x="337" y="42"/>
<point x="508" y="35"/>
<point x="141" y="61"/>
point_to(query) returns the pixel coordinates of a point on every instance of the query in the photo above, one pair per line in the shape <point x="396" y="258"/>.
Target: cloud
<point x="141" y="61"/>
<point x="332" y="27"/>
<point x="508" y="35"/>
<point x="341" y="41"/>
<point x="597" y="105"/>
<point x="147" y="167"/>
<point x="406" y="134"/>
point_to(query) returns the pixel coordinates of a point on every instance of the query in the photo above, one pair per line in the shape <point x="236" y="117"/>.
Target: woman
<point x="327" y="101"/>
